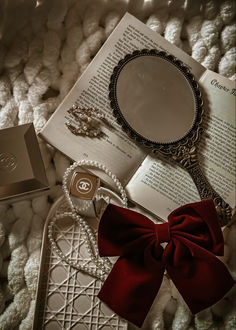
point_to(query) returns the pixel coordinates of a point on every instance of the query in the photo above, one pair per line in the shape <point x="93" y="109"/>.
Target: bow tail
<point x="206" y="282"/>
<point x="130" y="290"/>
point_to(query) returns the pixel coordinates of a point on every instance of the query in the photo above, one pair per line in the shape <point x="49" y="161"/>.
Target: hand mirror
<point x="156" y="100"/>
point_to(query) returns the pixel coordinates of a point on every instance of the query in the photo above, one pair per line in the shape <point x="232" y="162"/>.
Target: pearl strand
<point x="103" y="265"/>
<point x="98" y="273"/>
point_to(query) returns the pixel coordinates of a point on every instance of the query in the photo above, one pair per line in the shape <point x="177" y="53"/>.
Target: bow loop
<point x="193" y="235"/>
<point x="198" y="224"/>
<point x="122" y="231"/>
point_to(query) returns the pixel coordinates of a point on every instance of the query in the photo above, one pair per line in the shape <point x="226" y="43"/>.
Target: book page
<point x="161" y="186"/>
<point x="115" y="150"/>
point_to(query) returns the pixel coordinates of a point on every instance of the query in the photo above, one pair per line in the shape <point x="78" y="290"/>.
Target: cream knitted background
<point x="45" y="47"/>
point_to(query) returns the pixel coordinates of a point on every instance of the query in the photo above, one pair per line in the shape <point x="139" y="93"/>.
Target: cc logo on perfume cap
<point x="8" y="162"/>
<point x="84" y="185"/>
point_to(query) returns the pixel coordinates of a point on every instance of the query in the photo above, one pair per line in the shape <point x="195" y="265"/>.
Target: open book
<point x="156" y="184"/>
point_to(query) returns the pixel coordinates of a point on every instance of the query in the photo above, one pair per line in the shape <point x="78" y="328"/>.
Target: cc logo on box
<point x="84" y="185"/>
<point x="8" y="162"/>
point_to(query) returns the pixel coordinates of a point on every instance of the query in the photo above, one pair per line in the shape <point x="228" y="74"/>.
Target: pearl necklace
<point x="102" y="265"/>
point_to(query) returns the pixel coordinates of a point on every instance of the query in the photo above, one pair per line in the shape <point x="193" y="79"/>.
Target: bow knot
<point x="194" y="239"/>
<point x="162" y="232"/>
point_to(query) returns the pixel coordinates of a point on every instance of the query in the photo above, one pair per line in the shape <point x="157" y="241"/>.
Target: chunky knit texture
<point x="45" y="47"/>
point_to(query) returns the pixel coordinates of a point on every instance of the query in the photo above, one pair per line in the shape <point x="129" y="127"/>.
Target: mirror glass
<point x="156" y="99"/>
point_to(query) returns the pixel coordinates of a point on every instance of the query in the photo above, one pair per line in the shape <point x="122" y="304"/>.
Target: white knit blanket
<point x="45" y="47"/>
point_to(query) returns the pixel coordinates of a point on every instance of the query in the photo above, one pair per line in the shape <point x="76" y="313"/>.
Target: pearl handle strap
<point x="102" y="265"/>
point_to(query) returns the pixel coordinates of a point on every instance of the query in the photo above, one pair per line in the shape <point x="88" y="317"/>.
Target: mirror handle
<point x="206" y="191"/>
<point x="187" y="157"/>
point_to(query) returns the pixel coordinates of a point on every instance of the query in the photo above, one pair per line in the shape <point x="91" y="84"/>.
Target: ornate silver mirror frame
<point x="182" y="150"/>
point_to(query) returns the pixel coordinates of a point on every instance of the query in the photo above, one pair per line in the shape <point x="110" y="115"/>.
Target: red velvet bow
<point x="194" y="238"/>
